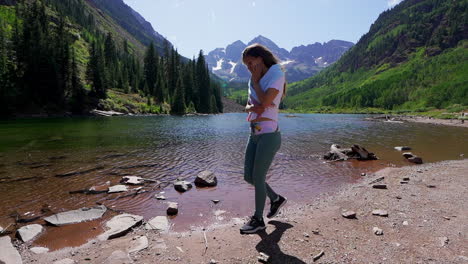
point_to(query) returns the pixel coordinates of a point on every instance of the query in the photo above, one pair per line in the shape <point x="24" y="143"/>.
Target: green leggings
<point x="259" y="154"/>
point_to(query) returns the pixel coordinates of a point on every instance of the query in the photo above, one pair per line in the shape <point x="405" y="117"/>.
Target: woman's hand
<point x="258" y="109"/>
<point x="257" y="72"/>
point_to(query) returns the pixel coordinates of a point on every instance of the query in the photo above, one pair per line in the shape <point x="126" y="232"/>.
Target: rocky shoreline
<point x="414" y="219"/>
<point x="420" y="119"/>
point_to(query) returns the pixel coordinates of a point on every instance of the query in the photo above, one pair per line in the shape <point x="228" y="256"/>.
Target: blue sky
<point x="192" y="25"/>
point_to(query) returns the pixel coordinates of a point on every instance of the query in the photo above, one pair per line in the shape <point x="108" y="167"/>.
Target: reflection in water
<point x="42" y="160"/>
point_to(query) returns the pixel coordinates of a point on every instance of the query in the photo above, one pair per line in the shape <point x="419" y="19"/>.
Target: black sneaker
<point x="276" y="206"/>
<point x="253" y="226"/>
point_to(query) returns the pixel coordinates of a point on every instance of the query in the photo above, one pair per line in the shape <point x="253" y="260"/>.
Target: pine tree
<point x="178" y="102"/>
<point x="150" y="70"/>
<point x="203" y="84"/>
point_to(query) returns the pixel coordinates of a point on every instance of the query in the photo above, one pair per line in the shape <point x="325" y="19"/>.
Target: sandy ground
<point x="427" y="223"/>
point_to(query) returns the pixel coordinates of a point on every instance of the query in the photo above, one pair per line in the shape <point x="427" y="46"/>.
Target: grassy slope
<point x="421" y="75"/>
<point x="395" y="66"/>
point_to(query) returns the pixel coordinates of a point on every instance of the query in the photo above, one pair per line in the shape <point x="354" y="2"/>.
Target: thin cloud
<point x="213" y="16"/>
<point x="392" y="3"/>
<point x="254" y="4"/>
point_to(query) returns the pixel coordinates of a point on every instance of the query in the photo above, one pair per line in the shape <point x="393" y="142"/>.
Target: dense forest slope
<point x="415" y="56"/>
<point x="70" y="56"/>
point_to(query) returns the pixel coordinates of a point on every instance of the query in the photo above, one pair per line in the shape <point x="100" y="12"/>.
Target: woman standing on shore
<point x="267" y="87"/>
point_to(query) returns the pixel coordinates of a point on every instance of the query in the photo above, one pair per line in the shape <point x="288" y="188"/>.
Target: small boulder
<point x="29" y="232"/>
<point x="117" y="189"/>
<point x="349" y="215"/>
<point x="416" y="160"/>
<point x="206" y="179"/>
<point x="408" y="155"/>
<point x="182" y="186"/>
<point x="159" y="223"/>
<point x="173" y="208"/>
<point x="402" y="148"/>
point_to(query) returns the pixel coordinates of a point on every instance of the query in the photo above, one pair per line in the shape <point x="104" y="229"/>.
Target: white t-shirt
<point x="273" y="78"/>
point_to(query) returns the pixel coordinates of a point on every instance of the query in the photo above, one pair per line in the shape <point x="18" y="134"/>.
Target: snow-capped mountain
<point x="300" y="63"/>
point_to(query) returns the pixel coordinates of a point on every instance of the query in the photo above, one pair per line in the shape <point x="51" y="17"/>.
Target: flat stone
<point x="65" y="261"/>
<point x="117" y="188"/>
<point x="377" y="231"/>
<point x="39" y="250"/>
<point x="138" y="244"/>
<point x="206" y="179"/>
<point x="133" y="180"/>
<point x="76" y="216"/>
<point x="173" y="208"/>
<point x="29" y="232"/>
<point x="379" y="186"/>
<point x="402" y="148"/>
<point x="118" y="256"/>
<point x="380" y="213"/>
<point x="9" y="253"/>
<point x="182" y="186"/>
<point x="119" y="225"/>
<point x="159" y="223"/>
<point x="349" y="214"/>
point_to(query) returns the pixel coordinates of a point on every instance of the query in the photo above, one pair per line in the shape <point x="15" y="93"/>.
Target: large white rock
<point x="119" y="225"/>
<point x="117" y="188"/>
<point x="39" y="250"/>
<point x="76" y="216"/>
<point x="29" y="232"/>
<point x="9" y="254"/>
<point x="159" y="223"/>
<point x="133" y="180"/>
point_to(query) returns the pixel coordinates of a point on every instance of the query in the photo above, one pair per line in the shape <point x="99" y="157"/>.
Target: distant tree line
<point x="54" y="57"/>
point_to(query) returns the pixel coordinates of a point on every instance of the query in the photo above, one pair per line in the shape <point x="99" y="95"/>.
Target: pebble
<point x="319" y="255"/>
<point x="377" y="231"/>
<point x="405" y="223"/>
<point x="264" y="258"/>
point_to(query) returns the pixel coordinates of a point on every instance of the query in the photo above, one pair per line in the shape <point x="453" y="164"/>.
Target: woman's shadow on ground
<point x="269" y="244"/>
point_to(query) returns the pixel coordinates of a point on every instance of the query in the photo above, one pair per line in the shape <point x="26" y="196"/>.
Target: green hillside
<point x="415" y="56"/>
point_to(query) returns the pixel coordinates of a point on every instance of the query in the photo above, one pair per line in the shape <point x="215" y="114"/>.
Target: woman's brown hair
<point x="257" y="50"/>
